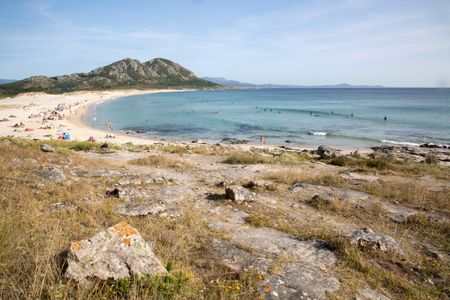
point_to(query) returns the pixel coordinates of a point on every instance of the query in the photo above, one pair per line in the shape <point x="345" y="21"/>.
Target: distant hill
<point x="5" y="81"/>
<point x="123" y="74"/>
<point x="234" y="83"/>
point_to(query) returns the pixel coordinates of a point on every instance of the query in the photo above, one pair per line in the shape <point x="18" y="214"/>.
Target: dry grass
<point x="161" y="161"/>
<point x="32" y="237"/>
<point x="292" y="176"/>
<point x="357" y="268"/>
<point x="253" y="157"/>
<point x="247" y="158"/>
<point x="410" y="192"/>
<point x="389" y="164"/>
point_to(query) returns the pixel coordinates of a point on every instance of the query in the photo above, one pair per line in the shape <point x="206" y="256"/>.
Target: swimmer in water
<point x="385" y="118"/>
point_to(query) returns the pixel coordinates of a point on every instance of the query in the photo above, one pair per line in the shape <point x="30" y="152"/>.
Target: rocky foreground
<point x="216" y="222"/>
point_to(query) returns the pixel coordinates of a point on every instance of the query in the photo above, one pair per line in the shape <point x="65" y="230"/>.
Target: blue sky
<point x="394" y="43"/>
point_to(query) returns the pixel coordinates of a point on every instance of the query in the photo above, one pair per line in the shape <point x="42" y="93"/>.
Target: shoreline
<point x="31" y="108"/>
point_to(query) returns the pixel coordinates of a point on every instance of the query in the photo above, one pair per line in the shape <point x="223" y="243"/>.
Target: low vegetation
<point x="387" y="163"/>
<point x="161" y="161"/>
<point x="253" y="157"/>
<point x="32" y="236"/>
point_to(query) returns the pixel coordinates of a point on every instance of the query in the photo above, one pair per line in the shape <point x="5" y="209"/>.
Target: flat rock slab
<point x="115" y="253"/>
<point x="165" y="203"/>
<point x="309" y="190"/>
<point x="273" y="243"/>
<point x="296" y="281"/>
<point x="369" y="294"/>
<point x="238" y="259"/>
<point x="52" y="174"/>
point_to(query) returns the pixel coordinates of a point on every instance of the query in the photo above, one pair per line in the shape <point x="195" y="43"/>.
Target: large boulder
<point x="115" y="253"/>
<point x="238" y="193"/>
<point x="367" y="238"/>
<point x="326" y="152"/>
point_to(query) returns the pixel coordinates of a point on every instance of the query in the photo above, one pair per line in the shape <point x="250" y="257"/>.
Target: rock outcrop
<point x="238" y="193"/>
<point x="326" y="152"/>
<point x="52" y="174"/>
<point x="367" y="238"/>
<point x="115" y="253"/>
<point x="47" y="148"/>
<point x="303" y="276"/>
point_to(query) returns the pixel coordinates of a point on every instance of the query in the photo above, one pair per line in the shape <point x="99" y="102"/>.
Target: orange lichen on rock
<point x="127" y="241"/>
<point x="74" y="246"/>
<point x="120" y="226"/>
<point x="124" y="229"/>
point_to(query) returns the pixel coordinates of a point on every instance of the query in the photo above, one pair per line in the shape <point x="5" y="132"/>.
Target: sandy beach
<point x="34" y="109"/>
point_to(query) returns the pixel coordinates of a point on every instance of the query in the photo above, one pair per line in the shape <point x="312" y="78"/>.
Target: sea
<point x="341" y="117"/>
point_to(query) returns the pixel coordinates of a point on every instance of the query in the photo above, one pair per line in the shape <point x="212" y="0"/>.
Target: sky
<point x="392" y="43"/>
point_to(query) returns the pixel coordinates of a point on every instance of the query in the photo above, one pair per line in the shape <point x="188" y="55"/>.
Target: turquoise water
<point x="339" y="117"/>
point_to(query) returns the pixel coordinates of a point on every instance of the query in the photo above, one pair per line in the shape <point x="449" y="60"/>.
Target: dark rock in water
<point x="113" y="193"/>
<point x="47" y="148"/>
<point x="238" y="193"/>
<point x="115" y="253"/>
<point x="367" y="238"/>
<point x="199" y="142"/>
<point x="234" y="141"/>
<point x="326" y="152"/>
<point x="433" y="145"/>
<point x="51" y="174"/>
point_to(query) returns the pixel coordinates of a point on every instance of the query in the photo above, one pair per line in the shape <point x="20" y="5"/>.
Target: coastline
<point x="29" y="107"/>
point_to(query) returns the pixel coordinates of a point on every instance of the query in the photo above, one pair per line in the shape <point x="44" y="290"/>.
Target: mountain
<point x="234" y="83"/>
<point x="5" y="81"/>
<point x="226" y="82"/>
<point x="125" y="73"/>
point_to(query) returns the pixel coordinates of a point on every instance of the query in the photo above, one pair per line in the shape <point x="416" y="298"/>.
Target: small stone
<point x="238" y="193"/>
<point x="58" y="206"/>
<point x="47" y="148"/>
<point x="434" y="254"/>
<point x="115" y="253"/>
<point x="369" y="294"/>
<point x="367" y="238"/>
<point x="113" y="193"/>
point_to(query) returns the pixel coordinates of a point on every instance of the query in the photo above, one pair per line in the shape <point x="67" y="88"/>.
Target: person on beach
<point x="262" y="140"/>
